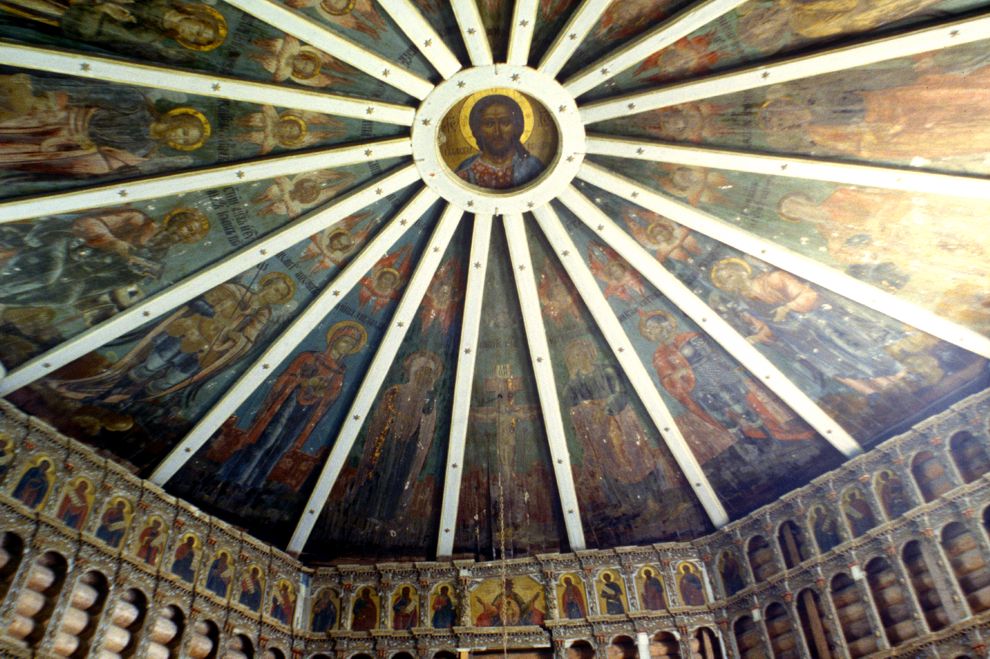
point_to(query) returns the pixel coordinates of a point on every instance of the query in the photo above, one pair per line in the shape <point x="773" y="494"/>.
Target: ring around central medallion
<point x="498" y="139"/>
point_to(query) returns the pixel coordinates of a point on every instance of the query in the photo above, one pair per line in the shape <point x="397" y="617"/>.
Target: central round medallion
<point x="498" y="139"/>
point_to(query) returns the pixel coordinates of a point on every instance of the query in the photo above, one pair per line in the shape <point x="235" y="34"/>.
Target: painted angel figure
<point x="664" y="238"/>
<point x="359" y="15"/>
<point x="294" y="129"/>
<point x="333" y="245"/>
<point x="291" y="196"/>
<point x="290" y="59"/>
<point x="626" y="19"/>
<point x="385" y="282"/>
<point x="619" y="278"/>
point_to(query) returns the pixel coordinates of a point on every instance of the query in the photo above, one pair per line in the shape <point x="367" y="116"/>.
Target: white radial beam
<point x="571" y="36"/>
<point x="314" y="33"/>
<point x="423" y="36"/>
<point x="539" y="353"/>
<point x="706" y="318"/>
<point x="166" y="185"/>
<point x="668" y="32"/>
<point x="814" y="169"/>
<point x="633" y="367"/>
<point x="946" y="35"/>
<point x="463" y="381"/>
<point x="297" y="331"/>
<point x="472" y="31"/>
<point x="84" y="65"/>
<point x="807" y="268"/>
<point x="384" y="358"/>
<point x="521" y="31"/>
<point x="197" y="284"/>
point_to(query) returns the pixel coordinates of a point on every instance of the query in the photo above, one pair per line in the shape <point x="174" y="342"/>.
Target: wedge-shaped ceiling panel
<point x="629" y="488"/>
<point x="508" y="476"/>
<point x="764" y="28"/>
<point x="743" y="436"/>
<point x="264" y="460"/>
<point x="916" y="246"/>
<point x="386" y="501"/>
<point x="926" y="111"/>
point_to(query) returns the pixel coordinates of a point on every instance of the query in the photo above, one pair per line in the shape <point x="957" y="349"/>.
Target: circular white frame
<point x="472" y="199"/>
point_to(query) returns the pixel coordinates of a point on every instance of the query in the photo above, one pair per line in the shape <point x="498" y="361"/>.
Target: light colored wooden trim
<point x="422" y="35"/>
<point x="807" y="268"/>
<point x="709" y="321"/>
<point x="92" y="67"/>
<point x="463" y="382"/>
<point x="946" y="35"/>
<point x="473" y="32"/>
<point x="179" y="293"/>
<point x="681" y="25"/>
<point x="521" y="31"/>
<point x="301" y="326"/>
<point x="571" y="36"/>
<point x="313" y="32"/>
<point x="377" y="371"/>
<point x="168" y="185"/>
<point x="539" y="353"/>
<point x="630" y="363"/>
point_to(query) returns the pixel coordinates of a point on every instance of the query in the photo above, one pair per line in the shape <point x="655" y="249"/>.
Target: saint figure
<point x="252" y="589"/>
<point x="295" y="404"/>
<point x="365" y="612"/>
<point x="653" y="599"/>
<point x="444" y="614"/>
<point x="497" y="124"/>
<point x="32" y="489"/>
<point x="572" y="600"/>
<point x="324" y="612"/>
<point x="612" y="594"/>
<point x="692" y="591"/>
<point x="404" y="610"/>
<point x="219" y="574"/>
<point x="150" y="542"/>
<point x="113" y="523"/>
<point x="75" y="505"/>
<point x="185" y="556"/>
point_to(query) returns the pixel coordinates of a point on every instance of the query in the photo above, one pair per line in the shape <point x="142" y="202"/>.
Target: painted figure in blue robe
<point x="612" y="594"/>
<point x="218" y="576"/>
<point x="826" y="530"/>
<point x="283" y="604"/>
<point x="497" y="124"/>
<point x="653" y="598"/>
<point x="572" y="600"/>
<point x="251" y="589"/>
<point x="185" y="556"/>
<point x="113" y="524"/>
<point x="33" y="486"/>
<point x="443" y="609"/>
<point x="814" y="331"/>
<point x="324" y="612"/>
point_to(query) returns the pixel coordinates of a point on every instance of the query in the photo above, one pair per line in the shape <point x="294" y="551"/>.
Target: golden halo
<point x="346" y="7"/>
<point x="379" y="273"/>
<point x="193" y="214"/>
<point x="203" y="121"/>
<point x="218" y="20"/>
<point x="718" y="270"/>
<point x="469" y="102"/>
<point x="659" y="313"/>
<point x="351" y="327"/>
<point x="297" y="120"/>
<point x="284" y="278"/>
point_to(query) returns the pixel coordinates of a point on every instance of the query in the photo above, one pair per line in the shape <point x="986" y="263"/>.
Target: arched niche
<point x="930" y="474"/>
<point x="240" y="646"/>
<point x="969" y="566"/>
<point x="793" y="544"/>
<point x="761" y="558"/>
<point x="923" y="584"/>
<point x="11" y="554"/>
<point x="970" y="455"/>
<point x="623" y="647"/>
<point x="666" y="645"/>
<point x="204" y="640"/>
<point x="580" y="650"/>
<point x="402" y="655"/>
<point x="748" y="638"/>
<point x="274" y="653"/>
<point x="81" y="617"/>
<point x="126" y="620"/>
<point x="893" y="602"/>
<point x="853" y="616"/>
<point x="731" y="573"/>
<point x="705" y="644"/>
<point x="165" y="633"/>
<point x="784" y="641"/>
<point x="37" y="599"/>
<point x="445" y="654"/>
<point x="857" y="511"/>
<point x="811" y="615"/>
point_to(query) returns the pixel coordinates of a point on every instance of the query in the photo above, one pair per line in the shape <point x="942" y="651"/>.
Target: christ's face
<point x="499" y="133"/>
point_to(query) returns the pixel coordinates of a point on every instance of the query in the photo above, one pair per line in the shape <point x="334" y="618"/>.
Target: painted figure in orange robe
<point x="297" y="401"/>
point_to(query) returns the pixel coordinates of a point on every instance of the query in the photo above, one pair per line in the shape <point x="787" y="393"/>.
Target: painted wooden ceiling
<point x="223" y="263"/>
